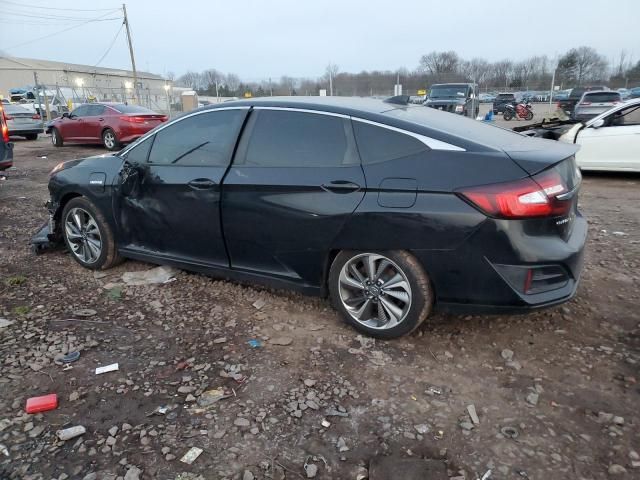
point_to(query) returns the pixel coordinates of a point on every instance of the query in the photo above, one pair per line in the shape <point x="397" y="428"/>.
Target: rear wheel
<point x="383" y="294"/>
<point x="507" y="115"/>
<point x="109" y="140"/>
<point x="56" y="138"/>
<point x="88" y="235"/>
<point x="529" y="115"/>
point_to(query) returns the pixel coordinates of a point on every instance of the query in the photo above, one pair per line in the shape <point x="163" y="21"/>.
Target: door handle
<point x="202" y="184"/>
<point x="340" y="186"/>
<point x="101" y="119"/>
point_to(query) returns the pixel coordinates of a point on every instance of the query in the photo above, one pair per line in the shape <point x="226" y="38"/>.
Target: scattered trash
<point x="5" y="323"/>
<point x="42" y="404"/>
<point x="310" y="469"/>
<point x="439" y="435"/>
<point x="341" y="445"/>
<point x="619" y="234"/>
<point x="15" y="281"/>
<point x="362" y="474"/>
<point x="434" y="390"/>
<point x="284" y="341"/>
<point x="473" y="414"/>
<point x="255" y="343"/>
<point x="107" y="368"/>
<point x="85" y="312"/>
<point x="258" y="304"/>
<point x="71" y="432"/>
<point x="325" y="423"/>
<point x="487" y="475"/>
<point x="149" y="277"/>
<point x="210" y="397"/>
<point x="191" y="455"/>
<point x="44" y="157"/>
<point x="162" y="410"/>
<point x="115" y="293"/>
<point x="414" y="398"/>
<point x="71" y="357"/>
<point x="509" y="432"/>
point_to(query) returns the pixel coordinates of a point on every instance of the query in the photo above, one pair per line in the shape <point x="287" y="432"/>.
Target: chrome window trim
<point x="177" y="120"/>
<point x="432" y="143"/>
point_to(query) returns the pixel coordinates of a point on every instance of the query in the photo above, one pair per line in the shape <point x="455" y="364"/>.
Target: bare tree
<point x="440" y="64"/>
<point x="190" y="79"/>
<point x="171" y="76"/>
<point x="582" y="64"/>
<point x="232" y="81"/>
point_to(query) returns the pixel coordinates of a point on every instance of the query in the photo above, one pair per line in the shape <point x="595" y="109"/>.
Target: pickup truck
<point x="569" y="105"/>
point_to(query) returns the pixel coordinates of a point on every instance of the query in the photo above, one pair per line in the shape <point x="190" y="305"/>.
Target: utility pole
<point x="133" y="60"/>
<point x="330" y="82"/>
<point x="35" y="80"/>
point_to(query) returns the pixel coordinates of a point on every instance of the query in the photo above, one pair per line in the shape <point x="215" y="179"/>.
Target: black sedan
<point x="391" y="210"/>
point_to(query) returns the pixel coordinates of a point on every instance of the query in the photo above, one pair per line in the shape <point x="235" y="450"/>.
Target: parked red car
<point x="112" y="124"/>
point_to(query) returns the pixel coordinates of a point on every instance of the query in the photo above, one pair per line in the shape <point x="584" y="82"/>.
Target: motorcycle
<point x="521" y="110"/>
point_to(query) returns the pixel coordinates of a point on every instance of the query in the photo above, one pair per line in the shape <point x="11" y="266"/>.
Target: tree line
<point x="577" y="67"/>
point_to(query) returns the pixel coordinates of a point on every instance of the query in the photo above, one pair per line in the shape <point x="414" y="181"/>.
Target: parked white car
<point x="610" y="141"/>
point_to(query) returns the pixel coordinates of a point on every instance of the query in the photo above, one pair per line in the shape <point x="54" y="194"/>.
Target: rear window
<point x="122" y="108"/>
<point x="15" y="109"/>
<point x="505" y="96"/>
<point x="602" y="97"/>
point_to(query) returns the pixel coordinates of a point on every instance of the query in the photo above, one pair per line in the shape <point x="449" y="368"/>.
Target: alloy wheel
<point x="375" y="291"/>
<point x="54" y="137"/>
<point x="83" y="235"/>
<point x="109" y="139"/>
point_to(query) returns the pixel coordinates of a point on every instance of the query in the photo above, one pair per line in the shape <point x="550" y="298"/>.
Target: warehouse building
<point x="86" y="83"/>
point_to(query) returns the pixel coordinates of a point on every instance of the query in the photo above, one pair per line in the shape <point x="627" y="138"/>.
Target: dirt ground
<point x="563" y="381"/>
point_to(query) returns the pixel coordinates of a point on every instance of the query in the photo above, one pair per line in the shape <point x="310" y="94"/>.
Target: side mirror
<point x="598" y="123"/>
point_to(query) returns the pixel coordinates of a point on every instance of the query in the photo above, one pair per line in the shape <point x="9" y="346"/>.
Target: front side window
<point x="94" y="110"/>
<point x="626" y="116"/>
<point x="297" y="139"/>
<point x="204" y="139"/>
<point x="378" y="144"/>
<point x="140" y="152"/>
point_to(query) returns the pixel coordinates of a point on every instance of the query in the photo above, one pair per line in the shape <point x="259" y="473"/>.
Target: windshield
<point x="448" y="91"/>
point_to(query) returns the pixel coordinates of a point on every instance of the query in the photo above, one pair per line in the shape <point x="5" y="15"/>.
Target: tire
<point x="109" y="140"/>
<point x="31" y="136"/>
<point x="88" y="236"/>
<point x="409" y="300"/>
<point x="529" y="115"/>
<point x="56" y="138"/>
<point x="507" y="115"/>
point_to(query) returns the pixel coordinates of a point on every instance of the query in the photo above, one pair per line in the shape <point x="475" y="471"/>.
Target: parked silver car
<point x="22" y="122"/>
<point x="593" y="103"/>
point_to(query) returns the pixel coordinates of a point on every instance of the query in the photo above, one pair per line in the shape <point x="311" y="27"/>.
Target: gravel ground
<point x="563" y="381"/>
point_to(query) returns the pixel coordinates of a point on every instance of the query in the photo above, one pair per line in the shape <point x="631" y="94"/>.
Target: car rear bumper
<point x="26" y="131"/>
<point x="479" y="275"/>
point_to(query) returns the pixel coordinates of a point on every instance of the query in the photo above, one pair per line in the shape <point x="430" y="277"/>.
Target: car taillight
<point x="526" y="198"/>
<point x="132" y="119"/>
<point x="164" y="118"/>
<point x="35" y="117"/>
<point x="5" y="132"/>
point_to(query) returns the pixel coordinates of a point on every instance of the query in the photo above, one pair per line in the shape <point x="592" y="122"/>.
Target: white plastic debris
<point x="191" y="455"/>
<point x="107" y="368"/>
<point x="149" y="277"/>
<point x="71" y="432"/>
<point x="473" y="414"/>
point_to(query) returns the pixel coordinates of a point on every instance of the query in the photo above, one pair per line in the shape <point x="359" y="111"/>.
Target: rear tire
<point x="384" y="294"/>
<point x="56" y="138"/>
<point x="109" y="140"/>
<point x="507" y="115"/>
<point x="529" y="116"/>
<point x="88" y="236"/>
<point x="31" y="136"/>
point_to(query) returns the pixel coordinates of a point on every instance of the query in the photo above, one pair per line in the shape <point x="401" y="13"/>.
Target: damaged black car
<point x="390" y="210"/>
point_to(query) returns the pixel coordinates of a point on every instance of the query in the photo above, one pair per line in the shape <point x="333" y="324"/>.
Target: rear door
<point x="174" y="211"/>
<point x="295" y="179"/>
<point x="613" y="146"/>
<point x="93" y="122"/>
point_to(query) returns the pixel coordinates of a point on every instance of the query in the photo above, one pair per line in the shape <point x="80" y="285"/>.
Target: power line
<point x="62" y="31"/>
<point x="48" y="16"/>
<point x="55" y="8"/>
<point x="110" y="46"/>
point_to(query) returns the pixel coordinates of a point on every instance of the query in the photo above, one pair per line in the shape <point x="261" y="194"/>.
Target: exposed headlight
<point x="57" y="168"/>
<point x="459" y="108"/>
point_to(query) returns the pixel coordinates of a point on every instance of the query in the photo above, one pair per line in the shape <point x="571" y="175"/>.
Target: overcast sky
<point x="258" y="39"/>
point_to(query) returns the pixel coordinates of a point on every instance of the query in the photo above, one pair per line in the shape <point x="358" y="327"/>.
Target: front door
<point x="72" y="127"/>
<point x="615" y="145"/>
<point x="173" y="210"/>
<point x="94" y="122"/>
<point x="295" y="180"/>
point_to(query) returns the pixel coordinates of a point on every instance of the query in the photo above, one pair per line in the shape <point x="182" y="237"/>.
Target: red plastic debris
<point x="42" y="404"/>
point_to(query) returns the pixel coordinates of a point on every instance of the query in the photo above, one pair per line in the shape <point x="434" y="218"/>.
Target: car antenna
<point x="398" y="100"/>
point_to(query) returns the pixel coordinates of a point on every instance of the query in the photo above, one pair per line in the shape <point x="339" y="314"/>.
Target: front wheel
<point x="529" y="115"/>
<point x="109" y="140"/>
<point x="88" y="236"/>
<point x="383" y="294"/>
<point x="507" y="115"/>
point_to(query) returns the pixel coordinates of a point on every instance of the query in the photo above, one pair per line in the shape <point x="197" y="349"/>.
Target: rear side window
<point x="278" y="138"/>
<point x="601" y="97"/>
<point x="378" y="144"/>
<point x="205" y="139"/>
